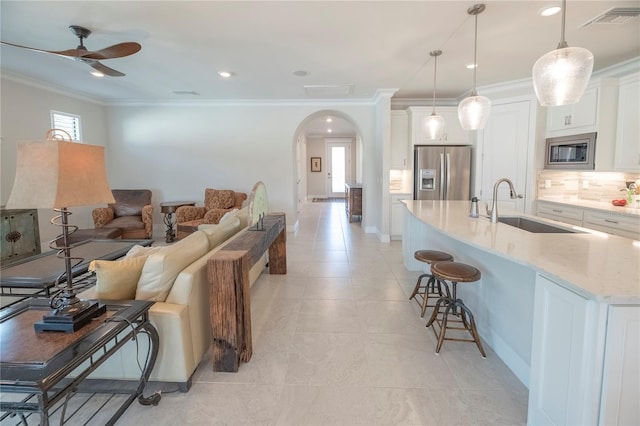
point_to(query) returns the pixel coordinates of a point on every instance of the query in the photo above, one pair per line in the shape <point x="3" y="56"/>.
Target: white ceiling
<point x="366" y="45"/>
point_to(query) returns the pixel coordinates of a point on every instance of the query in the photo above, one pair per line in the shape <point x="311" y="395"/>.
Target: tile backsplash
<point x="589" y="186"/>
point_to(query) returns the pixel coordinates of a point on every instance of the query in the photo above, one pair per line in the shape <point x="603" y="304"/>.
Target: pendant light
<point x="561" y="76"/>
<point x="474" y="110"/>
<point x="434" y="124"/>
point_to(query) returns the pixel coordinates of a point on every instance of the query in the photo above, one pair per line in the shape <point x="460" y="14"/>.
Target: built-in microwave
<point x="574" y="152"/>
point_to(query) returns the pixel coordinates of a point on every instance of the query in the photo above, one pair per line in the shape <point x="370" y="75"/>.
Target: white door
<point x="338" y="167"/>
<point x="505" y="142"/>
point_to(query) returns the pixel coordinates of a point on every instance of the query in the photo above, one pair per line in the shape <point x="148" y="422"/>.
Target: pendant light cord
<point x="475" y="59"/>
<point x="563" y="42"/>
<point x="435" y="71"/>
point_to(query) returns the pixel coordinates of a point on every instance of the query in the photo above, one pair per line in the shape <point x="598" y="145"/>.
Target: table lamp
<point x="58" y="174"/>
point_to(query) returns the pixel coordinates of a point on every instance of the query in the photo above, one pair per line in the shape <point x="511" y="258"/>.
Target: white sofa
<point x="181" y="313"/>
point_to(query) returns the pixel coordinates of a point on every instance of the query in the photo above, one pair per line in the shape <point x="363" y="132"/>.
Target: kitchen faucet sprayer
<point x="493" y="213"/>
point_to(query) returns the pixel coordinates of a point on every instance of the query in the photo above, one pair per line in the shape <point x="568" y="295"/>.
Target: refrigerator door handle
<point x="448" y="176"/>
<point x="442" y="172"/>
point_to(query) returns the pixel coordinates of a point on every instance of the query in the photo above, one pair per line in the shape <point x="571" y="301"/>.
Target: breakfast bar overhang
<point x="562" y="310"/>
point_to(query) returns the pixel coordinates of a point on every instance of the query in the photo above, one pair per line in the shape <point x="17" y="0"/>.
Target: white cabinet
<point x="620" y="384"/>
<point x="453" y="134"/>
<point x="397" y="215"/>
<point x="566" y="214"/>
<point x="400" y="158"/>
<point x="596" y="112"/>
<point x="627" y="149"/>
<point x="565" y="364"/>
<point x="612" y="223"/>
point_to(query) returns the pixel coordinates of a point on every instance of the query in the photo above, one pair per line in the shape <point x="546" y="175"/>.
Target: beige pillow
<point x="118" y="279"/>
<point x="162" y="267"/>
<point x="217" y="234"/>
<point x="141" y="251"/>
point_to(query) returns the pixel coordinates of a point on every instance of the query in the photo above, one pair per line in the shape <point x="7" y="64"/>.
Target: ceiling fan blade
<point x="116" y="51"/>
<point x="105" y="69"/>
<point x="76" y="53"/>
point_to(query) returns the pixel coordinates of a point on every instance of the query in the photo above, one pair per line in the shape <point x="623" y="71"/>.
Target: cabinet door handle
<point x="557" y="211"/>
<point x="611" y="221"/>
<point x="567" y="120"/>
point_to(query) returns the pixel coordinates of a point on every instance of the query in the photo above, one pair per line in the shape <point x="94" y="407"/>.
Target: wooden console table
<point x="228" y="274"/>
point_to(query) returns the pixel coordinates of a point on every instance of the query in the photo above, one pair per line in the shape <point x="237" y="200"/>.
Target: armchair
<point x="217" y="202"/>
<point x="132" y="213"/>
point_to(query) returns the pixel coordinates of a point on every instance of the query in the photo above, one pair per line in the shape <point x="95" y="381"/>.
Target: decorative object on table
<point x="132" y="212"/>
<point x="474" y="207"/>
<point x="168" y="209"/>
<point x="217" y="202"/>
<point x="560" y="77"/>
<point x="316" y="164"/>
<point x="474" y="110"/>
<point x="59" y="174"/>
<point x="434" y="123"/>
<point x="20" y="234"/>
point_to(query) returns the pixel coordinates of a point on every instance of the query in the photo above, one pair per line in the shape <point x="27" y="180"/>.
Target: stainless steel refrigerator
<point x="441" y="172"/>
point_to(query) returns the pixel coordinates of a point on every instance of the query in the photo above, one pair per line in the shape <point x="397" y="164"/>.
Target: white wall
<point x="26" y="115"/>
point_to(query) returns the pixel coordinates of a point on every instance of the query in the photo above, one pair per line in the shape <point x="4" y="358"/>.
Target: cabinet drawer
<point x="624" y="226"/>
<point x="564" y="214"/>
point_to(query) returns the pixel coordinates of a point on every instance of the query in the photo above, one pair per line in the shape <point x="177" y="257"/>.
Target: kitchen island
<point x="561" y="310"/>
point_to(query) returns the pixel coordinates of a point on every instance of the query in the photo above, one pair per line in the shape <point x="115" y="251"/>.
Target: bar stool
<point x="433" y="286"/>
<point x="455" y="272"/>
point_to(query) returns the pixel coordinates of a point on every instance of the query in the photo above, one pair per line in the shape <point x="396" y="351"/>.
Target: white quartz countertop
<point x="595" y="205"/>
<point x="596" y="265"/>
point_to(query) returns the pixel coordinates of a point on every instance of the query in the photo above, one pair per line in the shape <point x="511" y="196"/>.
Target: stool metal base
<point x="457" y="309"/>
<point x="431" y="290"/>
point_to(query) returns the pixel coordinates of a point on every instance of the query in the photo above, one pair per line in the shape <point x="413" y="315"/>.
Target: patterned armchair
<point x="132" y="213"/>
<point x="217" y="202"/>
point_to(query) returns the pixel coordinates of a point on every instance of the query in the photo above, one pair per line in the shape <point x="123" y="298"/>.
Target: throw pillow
<point x="217" y="234"/>
<point x="162" y="267"/>
<point x="141" y="251"/>
<point x="118" y="279"/>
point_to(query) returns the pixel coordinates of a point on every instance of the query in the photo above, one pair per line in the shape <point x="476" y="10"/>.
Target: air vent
<point x="616" y="15"/>
<point x="329" y="91"/>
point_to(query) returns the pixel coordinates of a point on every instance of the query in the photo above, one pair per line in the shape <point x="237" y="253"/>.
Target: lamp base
<point x="70" y="318"/>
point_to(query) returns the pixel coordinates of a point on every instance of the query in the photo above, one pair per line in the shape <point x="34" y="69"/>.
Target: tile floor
<point x="337" y="342"/>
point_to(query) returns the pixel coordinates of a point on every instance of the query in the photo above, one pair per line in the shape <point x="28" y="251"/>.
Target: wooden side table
<point x="168" y="209"/>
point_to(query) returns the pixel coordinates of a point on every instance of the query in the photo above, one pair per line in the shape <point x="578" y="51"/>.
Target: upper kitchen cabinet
<point x="400" y="140"/>
<point x="596" y="112"/>
<point x="627" y="150"/>
<point x="453" y="134"/>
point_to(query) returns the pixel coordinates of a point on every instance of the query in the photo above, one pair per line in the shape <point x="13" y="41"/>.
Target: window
<point x="70" y="123"/>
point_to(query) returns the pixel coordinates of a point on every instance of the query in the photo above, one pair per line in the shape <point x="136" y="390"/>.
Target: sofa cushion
<point x="162" y="267"/>
<point x="141" y="251"/>
<point x="242" y="214"/>
<point x="126" y="222"/>
<point x="129" y="202"/>
<point x="117" y="279"/>
<point x="217" y="234"/>
<point x="218" y="198"/>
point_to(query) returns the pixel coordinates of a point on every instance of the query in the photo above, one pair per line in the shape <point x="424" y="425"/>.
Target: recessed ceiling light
<point x="97" y="74"/>
<point x="471" y="66"/>
<point x="329" y="130"/>
<point x="329" y="119"/>
<point x="225" y="74"/>
<point x="301" y="73"/>
<point x="549" y="11"/>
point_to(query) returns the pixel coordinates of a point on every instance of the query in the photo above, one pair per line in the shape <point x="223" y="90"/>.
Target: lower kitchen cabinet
<point x="572" y="215"/>
<point x="397" y="215"/>
<point x="584" y="360"/>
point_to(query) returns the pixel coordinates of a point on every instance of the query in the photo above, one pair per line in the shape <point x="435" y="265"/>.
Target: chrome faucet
<point x="494" y="207"/>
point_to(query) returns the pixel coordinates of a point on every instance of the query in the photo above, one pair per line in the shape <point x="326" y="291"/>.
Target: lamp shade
<point x="57" y="174"/>
<point x="434" y="124"/>
<point x="560" y="77"/>
<point x="473" y="112"/>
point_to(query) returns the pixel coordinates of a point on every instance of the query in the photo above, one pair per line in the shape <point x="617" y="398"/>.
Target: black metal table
<point x="51" y="368"/>
<point x="168" y="209"/>
<point x="36" y="275"/>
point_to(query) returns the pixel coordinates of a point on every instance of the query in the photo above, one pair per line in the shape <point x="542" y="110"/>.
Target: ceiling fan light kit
<point x="474" y="110"/>
<point x="560" y="77"/>
<point x="435" y="123"/>
<point x="92" y="58"/>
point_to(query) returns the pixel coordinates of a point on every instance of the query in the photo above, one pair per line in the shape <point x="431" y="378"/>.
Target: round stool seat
<point x="432" y="256"/>
<point x="455" y="271"/>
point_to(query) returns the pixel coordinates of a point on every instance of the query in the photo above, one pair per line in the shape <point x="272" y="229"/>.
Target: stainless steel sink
<point x="534" y="226"/>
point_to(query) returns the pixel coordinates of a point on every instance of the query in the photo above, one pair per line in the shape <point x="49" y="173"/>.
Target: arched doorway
<point x="313" y="138"/>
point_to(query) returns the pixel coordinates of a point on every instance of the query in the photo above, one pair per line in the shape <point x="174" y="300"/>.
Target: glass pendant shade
<point x="560" y="77"/>
<point x="473" y="112"/>
<point x="434" y="124"/>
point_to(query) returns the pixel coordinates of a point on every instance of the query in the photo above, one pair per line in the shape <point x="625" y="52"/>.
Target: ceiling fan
<point x="93" y="59"/>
